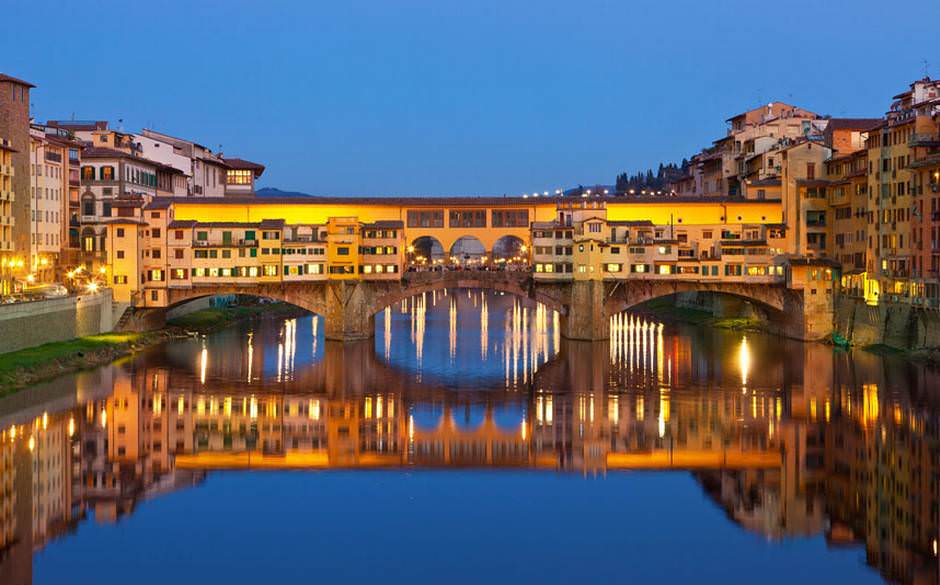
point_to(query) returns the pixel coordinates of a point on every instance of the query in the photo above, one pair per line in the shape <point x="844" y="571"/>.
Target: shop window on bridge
<point x="510" y="218"/>
<point x="178" y="274"/>
<point x="270" y="270"/>
<point x="426" y="218"/>
<point x="467" y="218"/>
<point x="733" y="270"/>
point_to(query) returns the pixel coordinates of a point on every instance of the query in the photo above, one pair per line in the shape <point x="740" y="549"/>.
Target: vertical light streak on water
<point x="556" y="327"/>
<point x="203" y="363"/>
<point x="659" y="352"/>
<point x="452" y="333"/>
<point x="525" y="345"/>
<point x="314" y="327"/>
<point x="388" y="333"/>
<point x="484" y="328"/>
<point x="251" y="354"/>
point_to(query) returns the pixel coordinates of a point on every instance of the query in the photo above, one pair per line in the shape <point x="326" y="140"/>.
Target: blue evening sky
<point x="424" y="97"/>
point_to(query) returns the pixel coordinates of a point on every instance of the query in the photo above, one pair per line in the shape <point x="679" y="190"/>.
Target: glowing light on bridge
<point x="203" y="363"/>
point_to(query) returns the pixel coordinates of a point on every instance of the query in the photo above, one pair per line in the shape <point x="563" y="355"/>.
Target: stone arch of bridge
<point x="772" y="299"/>
<point x="310" y="298"/>
<point x="520" y="285"/>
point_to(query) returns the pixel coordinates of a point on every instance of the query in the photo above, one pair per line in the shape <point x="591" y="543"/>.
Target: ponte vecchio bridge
<point x="349" y="258"/>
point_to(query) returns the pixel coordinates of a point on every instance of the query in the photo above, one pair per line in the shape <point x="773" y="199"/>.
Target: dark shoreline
<point x="26" y="367"/>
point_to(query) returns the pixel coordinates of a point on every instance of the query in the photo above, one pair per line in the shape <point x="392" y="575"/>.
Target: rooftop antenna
<point x="926" y="69"/>
<point x="120" y="124"/>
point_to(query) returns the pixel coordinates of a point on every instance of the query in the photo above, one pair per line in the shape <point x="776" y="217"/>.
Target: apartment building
<point x="14" y="127"/>
<point x="582" y="243"/>
<point x="49" y="189"/>
<point x="205" y="172"/>
<point x="733" y="163"/>
<point x="150" y="252"/>
<point x="240" y="176"/>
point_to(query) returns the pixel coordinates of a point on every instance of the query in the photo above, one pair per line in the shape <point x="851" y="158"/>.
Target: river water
<point x="469" y="443"/>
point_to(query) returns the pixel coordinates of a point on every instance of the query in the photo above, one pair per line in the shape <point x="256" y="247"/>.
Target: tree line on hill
<point x="650" y="180"/>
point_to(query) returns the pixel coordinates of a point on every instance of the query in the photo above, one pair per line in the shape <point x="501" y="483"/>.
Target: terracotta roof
<point x="4" y="77"/>
<point x="78" y="124"/>
<point x="766" y="183"/>
<point x="418" y="202"/>
<point x="182" y="223"/>
<point x="386" y="223"/>
<point x="243" y="165"/>
<point x="122" y="220"/>
<point x="853" y="123"/>
<point x="631" y="223"/>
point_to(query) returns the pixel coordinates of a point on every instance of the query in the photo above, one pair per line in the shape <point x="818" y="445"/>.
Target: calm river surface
<point x="469" y="443"/>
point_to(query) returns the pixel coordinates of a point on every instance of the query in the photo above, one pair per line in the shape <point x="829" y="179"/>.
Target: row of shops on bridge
<point x="151" y="249"/>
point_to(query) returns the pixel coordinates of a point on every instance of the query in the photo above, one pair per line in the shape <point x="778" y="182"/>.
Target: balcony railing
<point x="924" y="139"/>
<point x="240" y="243"/>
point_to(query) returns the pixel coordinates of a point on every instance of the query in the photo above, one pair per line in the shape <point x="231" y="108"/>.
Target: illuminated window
<point x="613" y="268"/>
<point x="665" y="269"/>
<point x="238" y="177"/>
<point x="367" y="269"/>
<point x="270" y="269"/>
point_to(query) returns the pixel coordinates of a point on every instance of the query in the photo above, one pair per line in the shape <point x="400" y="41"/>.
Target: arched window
<point x="88" y="204"/>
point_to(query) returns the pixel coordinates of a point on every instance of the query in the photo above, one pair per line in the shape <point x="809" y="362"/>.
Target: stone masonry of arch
<point x="349" y="307"/>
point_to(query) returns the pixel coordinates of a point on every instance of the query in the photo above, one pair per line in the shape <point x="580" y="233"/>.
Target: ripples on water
<point x="832" y="458"/>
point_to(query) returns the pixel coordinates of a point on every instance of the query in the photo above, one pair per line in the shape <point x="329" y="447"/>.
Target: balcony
<point x="922" y="139"/>
<point x="241" y="243"/>
<point x="6" y="170"/>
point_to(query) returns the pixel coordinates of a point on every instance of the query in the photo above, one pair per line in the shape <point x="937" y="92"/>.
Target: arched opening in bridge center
<point x="425" y="252"/>
<point x="510" y="252"/>
<point x="704" y="307"/>
<point x="467" y="252"/>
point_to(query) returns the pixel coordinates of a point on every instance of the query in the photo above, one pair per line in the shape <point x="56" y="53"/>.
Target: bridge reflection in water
<point x="794" y="442"/>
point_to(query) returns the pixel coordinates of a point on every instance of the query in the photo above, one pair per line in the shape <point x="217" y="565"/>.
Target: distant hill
<point x="272" y="192"/>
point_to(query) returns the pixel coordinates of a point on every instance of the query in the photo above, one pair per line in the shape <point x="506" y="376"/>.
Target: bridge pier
<point x="348" y="315"/>
<point x="586" y="318"/>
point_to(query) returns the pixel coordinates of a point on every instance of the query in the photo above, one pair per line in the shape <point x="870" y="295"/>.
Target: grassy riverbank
<point x="26" y="367"/>
<point x="665" y="309"/>
<point x="35" y="364"/>
<point x="217" y="318"/>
